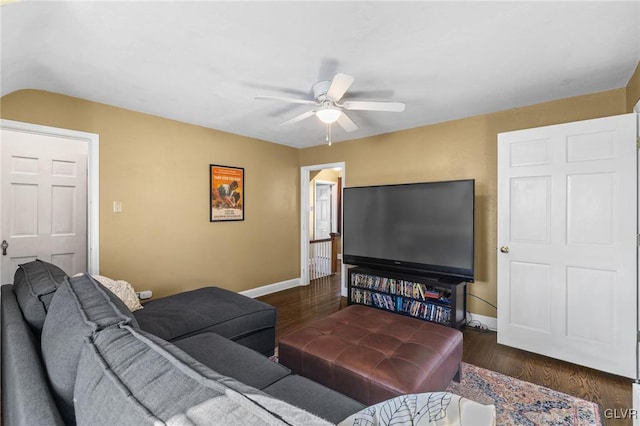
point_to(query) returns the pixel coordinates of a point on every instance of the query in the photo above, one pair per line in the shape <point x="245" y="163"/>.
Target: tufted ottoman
<point x="372" y="355"/>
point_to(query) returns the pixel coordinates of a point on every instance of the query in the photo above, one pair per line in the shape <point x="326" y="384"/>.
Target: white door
<point x="43" y="188"/>
<point x="322" y="209"/>
<point x="567" y="242"/>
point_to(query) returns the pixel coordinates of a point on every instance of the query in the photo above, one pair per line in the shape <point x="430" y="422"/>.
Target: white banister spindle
<point x="319" y="259"/>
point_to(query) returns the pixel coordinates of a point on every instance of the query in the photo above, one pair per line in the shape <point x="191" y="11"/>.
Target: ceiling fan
<point x="326" y="95"/>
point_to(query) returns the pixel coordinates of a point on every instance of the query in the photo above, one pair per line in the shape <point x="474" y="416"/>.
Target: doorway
<point x="39" y="140"/>
<point x="307" y="231"/>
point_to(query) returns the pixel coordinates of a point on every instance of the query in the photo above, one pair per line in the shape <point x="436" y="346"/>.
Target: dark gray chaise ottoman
<point x="242" y="319"/>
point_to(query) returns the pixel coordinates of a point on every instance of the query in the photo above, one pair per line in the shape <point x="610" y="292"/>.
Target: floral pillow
<point x="122" y="289"/>
<point x="425" y="409"/>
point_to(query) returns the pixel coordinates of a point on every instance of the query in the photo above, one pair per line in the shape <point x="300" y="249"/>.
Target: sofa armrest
<point x="26" y="397"/>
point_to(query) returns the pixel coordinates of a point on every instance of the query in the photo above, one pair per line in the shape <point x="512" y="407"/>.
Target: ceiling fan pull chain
<point x="328" y="138"/>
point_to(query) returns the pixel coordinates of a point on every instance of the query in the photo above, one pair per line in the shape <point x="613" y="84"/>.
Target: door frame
<point x="93" y="180"/>
<point x="305" y="210"/>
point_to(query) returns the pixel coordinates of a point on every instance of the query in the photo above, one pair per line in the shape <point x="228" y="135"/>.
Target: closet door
<point x="567" y="242"/>
<point x="43" y="206"/>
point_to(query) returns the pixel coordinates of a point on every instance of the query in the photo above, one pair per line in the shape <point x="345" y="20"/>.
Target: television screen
<point x="420" y="227"/>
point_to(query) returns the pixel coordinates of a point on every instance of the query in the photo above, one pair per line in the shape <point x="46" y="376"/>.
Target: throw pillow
<point x="34" y="284"/>
<point x="122" y="289"/>
<point x="425" y="409"/>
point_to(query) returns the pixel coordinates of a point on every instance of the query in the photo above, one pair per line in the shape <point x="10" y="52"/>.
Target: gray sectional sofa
<point x="73" y="353"/>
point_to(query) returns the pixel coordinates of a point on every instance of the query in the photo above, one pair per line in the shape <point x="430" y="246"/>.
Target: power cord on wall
<point x="485" y="301"/>
<point x="475" y="324"/>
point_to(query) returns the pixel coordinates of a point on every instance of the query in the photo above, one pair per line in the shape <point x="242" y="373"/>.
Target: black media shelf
<point x="423" y="297"/>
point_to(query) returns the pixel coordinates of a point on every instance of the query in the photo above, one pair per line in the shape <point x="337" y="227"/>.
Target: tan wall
<point x="458" y="149"/>
<point x="329" y="175"/>
<point x="159" y="169"/>
<point x="633" y="89"/>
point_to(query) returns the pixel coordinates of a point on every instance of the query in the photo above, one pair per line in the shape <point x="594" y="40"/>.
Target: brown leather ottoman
<point x="372" y="355"/>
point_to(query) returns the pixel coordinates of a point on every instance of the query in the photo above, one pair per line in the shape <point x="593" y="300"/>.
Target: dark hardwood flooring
<point x="301" y="305"/>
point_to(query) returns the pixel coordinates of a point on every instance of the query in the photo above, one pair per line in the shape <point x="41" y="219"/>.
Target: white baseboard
<point x="490" y="322"/>
<point x="271" y="288"/>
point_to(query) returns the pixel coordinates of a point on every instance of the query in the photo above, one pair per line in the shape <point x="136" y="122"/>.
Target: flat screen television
<point x="425" y="228"/>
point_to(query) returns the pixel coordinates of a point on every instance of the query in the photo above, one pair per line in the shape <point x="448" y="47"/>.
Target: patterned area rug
<point x="522" y="403"/>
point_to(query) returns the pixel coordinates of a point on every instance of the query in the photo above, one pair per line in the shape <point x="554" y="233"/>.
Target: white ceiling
<point x="202" y="62"/>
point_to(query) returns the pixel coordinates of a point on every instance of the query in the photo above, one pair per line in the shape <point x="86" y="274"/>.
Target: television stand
<point x="423" y="297"/>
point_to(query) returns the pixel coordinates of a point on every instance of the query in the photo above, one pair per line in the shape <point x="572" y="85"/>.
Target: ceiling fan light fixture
<point x="328" y="113"/>
<point x="327" y="95"/>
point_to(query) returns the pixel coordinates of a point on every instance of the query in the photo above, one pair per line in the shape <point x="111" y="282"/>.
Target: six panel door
<point x="44" y="201"/>
<point x="567" y="239"/>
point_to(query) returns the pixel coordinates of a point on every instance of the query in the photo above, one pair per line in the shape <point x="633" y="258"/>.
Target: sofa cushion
<point x="26" y="397"/>
<point x="254" y="369"/>
<point x="213" y="309"/>
<point x="127" y="376"/>
<point x="80" y="307"/>
<point x="314" y="397"/>
<point x="232" y="359"/>
<point x="34" y="284"/>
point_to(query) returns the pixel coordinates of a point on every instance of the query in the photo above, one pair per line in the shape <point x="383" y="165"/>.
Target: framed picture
<point x="226" y="192"/>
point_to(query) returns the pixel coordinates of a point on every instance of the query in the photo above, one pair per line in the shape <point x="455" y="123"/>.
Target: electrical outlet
<point x="117" y="206"/>
<point x="147" y="294"/>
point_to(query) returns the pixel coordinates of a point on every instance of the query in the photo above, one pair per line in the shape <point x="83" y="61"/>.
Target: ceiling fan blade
<point x="339" y="85"/>
<point x="374" y="106"/>
<point x="298" y="118"/>
<point x="290" y="100"/>
<point x="346" y="123"/>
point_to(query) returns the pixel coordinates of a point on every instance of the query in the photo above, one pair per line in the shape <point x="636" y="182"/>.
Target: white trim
<point x="490" y="322"/>
<point x="271" y="288"/>
<point x="93" y="181"/>
<point x="304" y="219"/>
<point x="304" y="225"/>
<point x="635" y="387"/>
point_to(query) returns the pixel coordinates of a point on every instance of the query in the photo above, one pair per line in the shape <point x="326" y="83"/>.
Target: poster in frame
<point x="226" y="193"/>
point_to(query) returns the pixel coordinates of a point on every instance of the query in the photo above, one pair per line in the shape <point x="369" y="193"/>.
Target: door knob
<point x="4" y="246"/>
<point x="504" y="249"/>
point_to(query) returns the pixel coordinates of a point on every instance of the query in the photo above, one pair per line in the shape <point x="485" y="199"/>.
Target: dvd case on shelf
<point x="422" y="298"/>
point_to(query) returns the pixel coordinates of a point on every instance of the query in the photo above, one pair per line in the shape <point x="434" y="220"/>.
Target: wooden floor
<point x="301" y="305"/>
